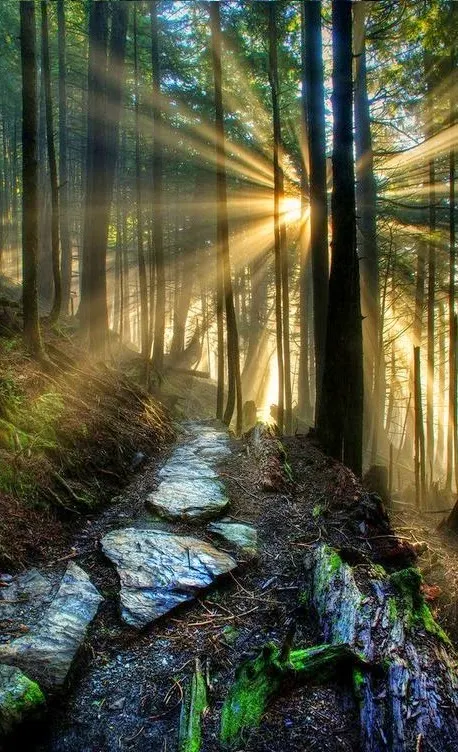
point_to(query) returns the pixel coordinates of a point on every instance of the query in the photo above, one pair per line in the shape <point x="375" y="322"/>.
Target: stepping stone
<point x="239" y="534"/>
<point x="188" y="499"/>
<point x="160" y="570"/>
<point x="192" y="468"/>
<point x="20" y="697"/>
<point x="47" y="651"/>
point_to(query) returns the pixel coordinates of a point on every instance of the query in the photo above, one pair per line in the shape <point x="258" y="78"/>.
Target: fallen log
<point x="258" y="681"/>
<point x="412" y="705"/>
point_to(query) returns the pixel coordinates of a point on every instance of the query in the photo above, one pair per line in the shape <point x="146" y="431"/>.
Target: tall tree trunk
<point x="431" y="277"/>
<point x="143" y="285"/>
<point x="314" y="87"/>
<point x="102" y="149"/>
<point x="158" y="241"/>
<point x="65" y="242"/>
<point x="57" y="299"/>
<point x="273" y="78"/>
<point x="366" y="198"/>
<point x="233" y="355"/>
<point x="341" y="409"/>
<point x="32" y="337"/>
<point x="452" y="396"/>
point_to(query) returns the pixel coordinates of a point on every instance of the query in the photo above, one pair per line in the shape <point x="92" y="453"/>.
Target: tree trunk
<point x="420" y="462"/>
<point x="233" y="355"/>
<point x="314" y="87"/>
<point x="57" y="299"/>
<point x="65" y="241"/>
<point x="32" y="337"/>
<point x="102" y="151"/>
<point x="452" y="396"/>
<point x="139" y="208"/>
<point x="341" y="408"/>
<point x="278" y="246"/>
<point x="407" y="692"/>
<point x="431" y="278"/>
<point x="158" y="242"/>
<point x="366" y="198"/>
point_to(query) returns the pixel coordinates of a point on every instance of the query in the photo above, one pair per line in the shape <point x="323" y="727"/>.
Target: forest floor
<point x="126" y="690"/>
<point x="69" y="442"/>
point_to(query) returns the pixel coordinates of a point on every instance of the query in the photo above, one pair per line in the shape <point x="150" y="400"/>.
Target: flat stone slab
<point x="160" y="570"/>
<point x="239" y="534"/>
<point x="188" y="499"/>
<point x="19" y="698"/>
<point x="47" y="651"/>
<point x="191" y="467"/>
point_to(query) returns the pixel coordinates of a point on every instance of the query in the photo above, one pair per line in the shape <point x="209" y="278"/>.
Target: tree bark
<point x="158" y="242"/>
<point x="278" y="245"/>
<point x="452" y="396"/>
<point x="57" y="299"/>
<point x="233" y="355"/>
<point x="314" y="88"/>
<point x="143" y="284"/>
<point x="65" y="241"/>
<point x="366" y="200"/>
<point x="32" y="336"/>
<point x="341" y="409"/>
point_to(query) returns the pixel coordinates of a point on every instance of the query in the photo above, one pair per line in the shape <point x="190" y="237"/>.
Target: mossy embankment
<point x="70" y="433"/>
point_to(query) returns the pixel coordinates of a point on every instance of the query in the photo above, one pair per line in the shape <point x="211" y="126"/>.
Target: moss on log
<point x="193" y="706"/>
<point x="414" y="701"/>
<point x="260" y="680"/>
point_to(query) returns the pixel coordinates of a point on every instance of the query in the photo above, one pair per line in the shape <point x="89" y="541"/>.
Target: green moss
<point x="392" y="609"/>
<point x="416" y="612"/>
<point x="19" y="696"/>
<point x="317" y="509"/>
<point x="334" y="562"/>
<point x="194" y="705"/>
<point x="379" y="571"/>
<point x="258" y="681"/>
<point x="359" y="681"/>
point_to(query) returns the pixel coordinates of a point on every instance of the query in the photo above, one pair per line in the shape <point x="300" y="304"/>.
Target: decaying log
<point x="270" y="456"/>
<point x="412" y="703"/>
<point x="258" y="681"/>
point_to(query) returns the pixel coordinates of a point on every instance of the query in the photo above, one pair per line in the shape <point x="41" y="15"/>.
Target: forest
<point x="228" y="376"/>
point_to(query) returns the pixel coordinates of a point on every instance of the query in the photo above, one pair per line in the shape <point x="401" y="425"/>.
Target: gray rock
<point x="47" y="651"/>
<point x="19" y="697"/>
<point x="239" y="534"/>
<point x="159" y="570"/>
<point x="189" y="499"/>
<point x="26" y="595"/>
<point x="191" y="467"/>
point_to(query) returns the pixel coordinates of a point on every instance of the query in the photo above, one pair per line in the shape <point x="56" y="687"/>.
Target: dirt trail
<point x="126" y="690"/>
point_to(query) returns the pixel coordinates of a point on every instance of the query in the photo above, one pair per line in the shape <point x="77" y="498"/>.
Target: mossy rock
<point x="20" y="698"/>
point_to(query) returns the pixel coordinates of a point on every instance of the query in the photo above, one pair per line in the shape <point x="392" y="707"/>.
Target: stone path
<point x="158" y="570"/>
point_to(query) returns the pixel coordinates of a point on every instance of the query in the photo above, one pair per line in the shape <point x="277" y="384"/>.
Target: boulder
<point x="160" y="570"/>
<point x="238" y="534"/>
<point x="20" y="697"/>
<point x="47" y="651"/>
<point x="189" y="499"/>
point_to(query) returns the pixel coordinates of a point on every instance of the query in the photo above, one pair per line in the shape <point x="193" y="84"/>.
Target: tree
<point x="143" y="285"/>
<point x="102" y="150"/>
<point x="32" y="336"/>
<point x="57" y="301"/>
<point x="157" y="219"/>
<point x="65" y="242"/>
<point x="340" y="418"/>
<point x="366" y="200"/>
<point x="314" y="89"/>
<point x="233" y="354"/>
